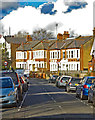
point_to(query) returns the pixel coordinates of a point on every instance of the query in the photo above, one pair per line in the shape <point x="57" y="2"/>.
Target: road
<point x="45" y="100"/>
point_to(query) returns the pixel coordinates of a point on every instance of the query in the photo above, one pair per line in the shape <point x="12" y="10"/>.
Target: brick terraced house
<point x="54" y="55"/>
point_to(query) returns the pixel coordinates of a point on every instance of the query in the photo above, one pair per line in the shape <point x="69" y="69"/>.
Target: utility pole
<point x="56" y="28"/>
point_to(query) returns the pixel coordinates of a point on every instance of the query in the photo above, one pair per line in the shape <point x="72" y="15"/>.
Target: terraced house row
<point x="61" y="54"/>
<point x="54" y="55"/>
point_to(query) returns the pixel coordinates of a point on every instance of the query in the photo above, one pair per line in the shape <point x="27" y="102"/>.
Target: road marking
<point x="91" y="106"/>
<point x="22" y="101"/>
<point x="50" y="96"/>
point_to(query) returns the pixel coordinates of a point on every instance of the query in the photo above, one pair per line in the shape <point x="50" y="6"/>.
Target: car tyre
<point x="81" y="95"/>
<point x="77" y="95"/>
<point x="89" y="101"/>
<point x="68" y="89"/>
<point x="93" y="101"/>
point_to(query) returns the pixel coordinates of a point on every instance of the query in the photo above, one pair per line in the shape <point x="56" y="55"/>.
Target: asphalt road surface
<point x="44" y="100"/>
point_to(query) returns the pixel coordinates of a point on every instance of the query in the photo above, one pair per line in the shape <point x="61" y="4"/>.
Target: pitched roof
<point x="57" y="45"/>
<point x="15" y="40"/>
<point x="28" y="46"/>
<point x="43" y="45"/>
<point x="76" y="43"/>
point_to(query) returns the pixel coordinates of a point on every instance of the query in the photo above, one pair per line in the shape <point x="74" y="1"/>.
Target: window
<point x="18" y="55"/>
<point x="74" y="54"/>
<point x="39" y="65"/>
<point x="29" y="54"/>
<point x="77" y="54"/>
<point x="22" y="65"/>
<point x="63" y="65"/>
<point x="67" y="54"/>
<point x="42" y="53"/>
<point x="33" y="54"/>
<point x="77" y="67"/>
<point x="71" y="66"/>
<point x="25" y="55"/>
<point x="45" y="54"/>
<point x="53" y="54"/>
<point x="63" y="54"/>
<point x="71" y="54"/>
<point x="58" y="54"/>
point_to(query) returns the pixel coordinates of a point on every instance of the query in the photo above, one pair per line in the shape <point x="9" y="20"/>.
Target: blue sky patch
<point x="16" y="5"/>
<point x="76" y="5"/>
<point x="47" y="9"/>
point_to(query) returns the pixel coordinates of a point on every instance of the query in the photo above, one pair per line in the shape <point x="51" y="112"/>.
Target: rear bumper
<point x="72" y="88"/>
<point x="85" y="92"/>
<point x="8" y="100"/>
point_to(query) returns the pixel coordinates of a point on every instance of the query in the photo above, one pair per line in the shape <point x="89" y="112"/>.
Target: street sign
<point x="5" y="63"/>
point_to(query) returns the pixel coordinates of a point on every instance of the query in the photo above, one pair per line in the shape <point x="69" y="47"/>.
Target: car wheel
<point x="94" y="100"/>
<point x="77" y="95"/>
<point x="20" y="97"/>
<point x="68" y="89"/>
<point x="89" y="100"/>
<point x="81" y="95"/>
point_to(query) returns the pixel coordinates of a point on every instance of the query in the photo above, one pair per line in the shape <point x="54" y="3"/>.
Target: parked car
<point x="20" y="71"/>
<point x="73" y="82"/>
<point x="23" y="83"/>
<point x="27" y="72"/>
<point x="63" y="81"/>
<point x="26" y="78"/>
<point x="58" y="78"/>
<point x="82" y="89"/>
<point x="16" y="81"/>
<point x="8" y="94"/>
<point x="91" y="94"/>
<point x="53" y="78"/>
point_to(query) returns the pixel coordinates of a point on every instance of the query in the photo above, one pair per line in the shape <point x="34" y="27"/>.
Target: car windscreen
<point x="25" y="75"/>
<point x="75" y="80"/>
<point x="90" y="80"/>
<point x="54" y="76"/>
<point x="12" y="75"/>
<point x="65" y="78"/>
<point x="6" y="83"/>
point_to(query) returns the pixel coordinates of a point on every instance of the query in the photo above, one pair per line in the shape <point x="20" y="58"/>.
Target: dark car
<point x="58" y="78"/>
<point x="16" y="81"/>
<point x="73" y="82"/>
<point x="23" y="83"/>
<point x="26" y="78"/>
<point x="83" y="88"/>
<point x="53" y="78"/>
<point x="91" y="94"/>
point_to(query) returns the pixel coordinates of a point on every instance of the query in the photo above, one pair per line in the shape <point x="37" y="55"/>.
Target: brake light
<point x="70" y="83"/>
<point x="22" y="81"/>
<point x="19" y="86"/>
<point x="61" y="81"/>
<point x="18" y="80"/>
<point x="85" y="86"/>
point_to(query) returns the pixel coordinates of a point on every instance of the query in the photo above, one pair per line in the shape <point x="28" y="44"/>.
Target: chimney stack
<point x="29" y="38"/>
<point x="59" y="36"/>
<point x="66" y="34"/>
<point x="94" y="32"/>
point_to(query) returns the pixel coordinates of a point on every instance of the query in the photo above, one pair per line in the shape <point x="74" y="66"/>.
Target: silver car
<point x="63" y="81"/>
<point x="8" y="91"/>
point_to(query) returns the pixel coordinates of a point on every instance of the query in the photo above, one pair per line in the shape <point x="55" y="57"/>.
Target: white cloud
<point x="29" y="18"/>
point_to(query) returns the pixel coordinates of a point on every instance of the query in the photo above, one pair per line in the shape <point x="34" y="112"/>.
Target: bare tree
<point x="41" y="34"/>
<point x="21" y="34"/>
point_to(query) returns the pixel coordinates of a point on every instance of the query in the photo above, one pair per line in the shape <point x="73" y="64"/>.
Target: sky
<point x="30" y="15"/>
